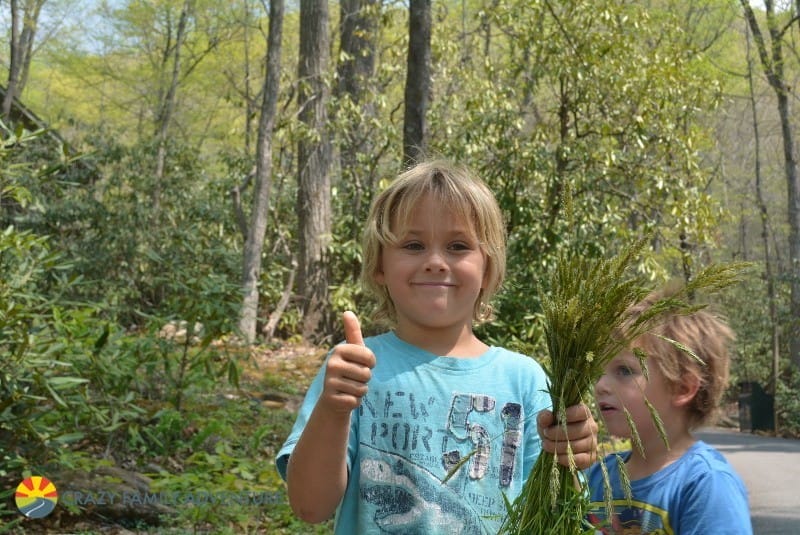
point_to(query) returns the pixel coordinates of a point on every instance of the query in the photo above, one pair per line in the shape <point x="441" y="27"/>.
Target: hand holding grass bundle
<point x="583" y="314"/>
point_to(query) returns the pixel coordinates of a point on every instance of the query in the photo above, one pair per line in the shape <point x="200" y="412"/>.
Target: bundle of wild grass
<point x="587" y="304"/>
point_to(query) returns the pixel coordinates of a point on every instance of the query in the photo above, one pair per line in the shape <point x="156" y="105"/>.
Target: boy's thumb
<point x="352" y="329"/>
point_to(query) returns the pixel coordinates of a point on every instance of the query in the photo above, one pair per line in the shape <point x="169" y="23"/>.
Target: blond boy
<point x="678" y="484"/>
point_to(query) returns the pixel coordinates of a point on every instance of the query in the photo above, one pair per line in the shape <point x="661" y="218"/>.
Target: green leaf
<point x="66" y="382"/>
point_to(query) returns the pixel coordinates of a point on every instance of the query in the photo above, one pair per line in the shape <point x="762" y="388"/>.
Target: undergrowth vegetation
<point x="121" y="410"/>
<point x="162" y="401"/>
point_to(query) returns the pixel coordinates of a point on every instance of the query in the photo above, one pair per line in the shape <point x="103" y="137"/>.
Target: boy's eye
<point x="624" y="371"/>
<point x="413" y="246"/>
<point x="460" y="246"/>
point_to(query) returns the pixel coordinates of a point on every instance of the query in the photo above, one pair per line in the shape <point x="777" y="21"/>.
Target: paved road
<point x="770" y="468"/>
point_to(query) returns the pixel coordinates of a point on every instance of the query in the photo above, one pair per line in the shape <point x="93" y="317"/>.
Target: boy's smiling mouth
<point x="433" y="284"/>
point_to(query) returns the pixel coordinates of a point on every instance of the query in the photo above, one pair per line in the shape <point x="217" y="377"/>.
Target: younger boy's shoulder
<point x="704" y="467"/>
<point x="705" y="455"/>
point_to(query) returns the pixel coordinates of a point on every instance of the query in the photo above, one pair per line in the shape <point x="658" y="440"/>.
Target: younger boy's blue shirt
<point x="424" y="414"/>
<point x="698" y="494"/>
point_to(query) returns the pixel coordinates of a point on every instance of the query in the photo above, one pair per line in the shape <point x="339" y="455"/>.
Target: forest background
<point x="183" y="185"/>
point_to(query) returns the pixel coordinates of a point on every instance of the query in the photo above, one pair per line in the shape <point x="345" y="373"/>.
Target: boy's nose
<point x="601" y="386"/>
<point x="435" y="262"/>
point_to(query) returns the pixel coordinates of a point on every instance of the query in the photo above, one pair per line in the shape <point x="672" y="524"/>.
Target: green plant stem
<point x="557" y="509"/>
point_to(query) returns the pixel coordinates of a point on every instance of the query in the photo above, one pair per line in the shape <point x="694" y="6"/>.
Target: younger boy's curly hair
<point x="707" y="335"/>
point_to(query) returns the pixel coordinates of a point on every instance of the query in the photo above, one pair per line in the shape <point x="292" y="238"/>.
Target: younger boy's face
<point x="435" y="272"/>
<point x="624" y="386"/>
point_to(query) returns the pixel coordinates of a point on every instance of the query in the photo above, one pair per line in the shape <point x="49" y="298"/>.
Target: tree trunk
<point x="766" y="232"/>
<point x="275" y="316"/>
<point x="418" y="81"/>
<point x="773" y="64"/>
<point x="250" y="105"/>
<point x="254" y="243"/>
<point x="167" y="106"/>
<point x="358" y="26"/>
<point x="24" y="22"/>
<point x="313" y="161"/>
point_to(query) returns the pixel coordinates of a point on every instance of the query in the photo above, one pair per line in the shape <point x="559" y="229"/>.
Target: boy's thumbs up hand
<point x="352" y="329"/>
<point x="348" y="369"/>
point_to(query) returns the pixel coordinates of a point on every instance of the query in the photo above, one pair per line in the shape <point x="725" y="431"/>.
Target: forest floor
<point x="273" y="382"/>
<point x="271" y="387"/>
<point x="295" y="364"/>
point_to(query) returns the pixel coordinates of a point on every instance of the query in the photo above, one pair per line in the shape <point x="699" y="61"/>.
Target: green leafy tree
<point x="598" y="97"/>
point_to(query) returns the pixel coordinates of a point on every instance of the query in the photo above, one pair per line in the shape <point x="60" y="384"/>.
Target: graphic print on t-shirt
<point x="410" y="443"/>
<point x="630" y="518"/>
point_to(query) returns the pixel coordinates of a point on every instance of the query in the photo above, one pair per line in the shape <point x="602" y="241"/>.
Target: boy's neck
<point x="657" y="455"/>
<point x="457" y="342"/>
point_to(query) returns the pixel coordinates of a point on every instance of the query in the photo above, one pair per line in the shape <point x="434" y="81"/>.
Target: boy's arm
<point x="316" y="475"/>
<point x="580" y="432"/>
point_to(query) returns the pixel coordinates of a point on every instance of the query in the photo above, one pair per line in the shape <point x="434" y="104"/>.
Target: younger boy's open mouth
<point x="607" y="408"/>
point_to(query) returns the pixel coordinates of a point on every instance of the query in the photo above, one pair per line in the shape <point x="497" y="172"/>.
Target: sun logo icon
<point x="36" y="497"/>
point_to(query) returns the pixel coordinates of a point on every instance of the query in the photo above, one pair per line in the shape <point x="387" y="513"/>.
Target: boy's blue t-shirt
<point x="424" y="414"/>
<point x="698" y="494"/>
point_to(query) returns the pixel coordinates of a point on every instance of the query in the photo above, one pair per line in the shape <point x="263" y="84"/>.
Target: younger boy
<point x="678" y="484"/>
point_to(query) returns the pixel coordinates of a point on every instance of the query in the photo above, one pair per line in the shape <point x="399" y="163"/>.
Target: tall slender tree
<point x="167" y="105"/>
<point x="256" y="230"/>
<point x="24" y="21"/>
<point x="766" y="232"/>
<point x="358" y="23"/>
<point x="418" y="81"/>
<point x="313" y="168"/>
<point x="771" y="55"/>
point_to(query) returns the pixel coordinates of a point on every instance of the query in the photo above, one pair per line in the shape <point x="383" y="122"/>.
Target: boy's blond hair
<point x="456" y="189"/>
<point x="707" y="335"/>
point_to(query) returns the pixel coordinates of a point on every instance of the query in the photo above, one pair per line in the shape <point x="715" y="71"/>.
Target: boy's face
<point x="624" y="386"/>
<point x="435" y="272"/>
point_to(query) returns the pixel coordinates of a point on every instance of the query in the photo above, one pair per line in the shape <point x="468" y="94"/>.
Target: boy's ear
<point x="686" y="390"/>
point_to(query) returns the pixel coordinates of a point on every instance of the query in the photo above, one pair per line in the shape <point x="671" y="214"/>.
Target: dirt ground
<point x="276" y="370"/>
